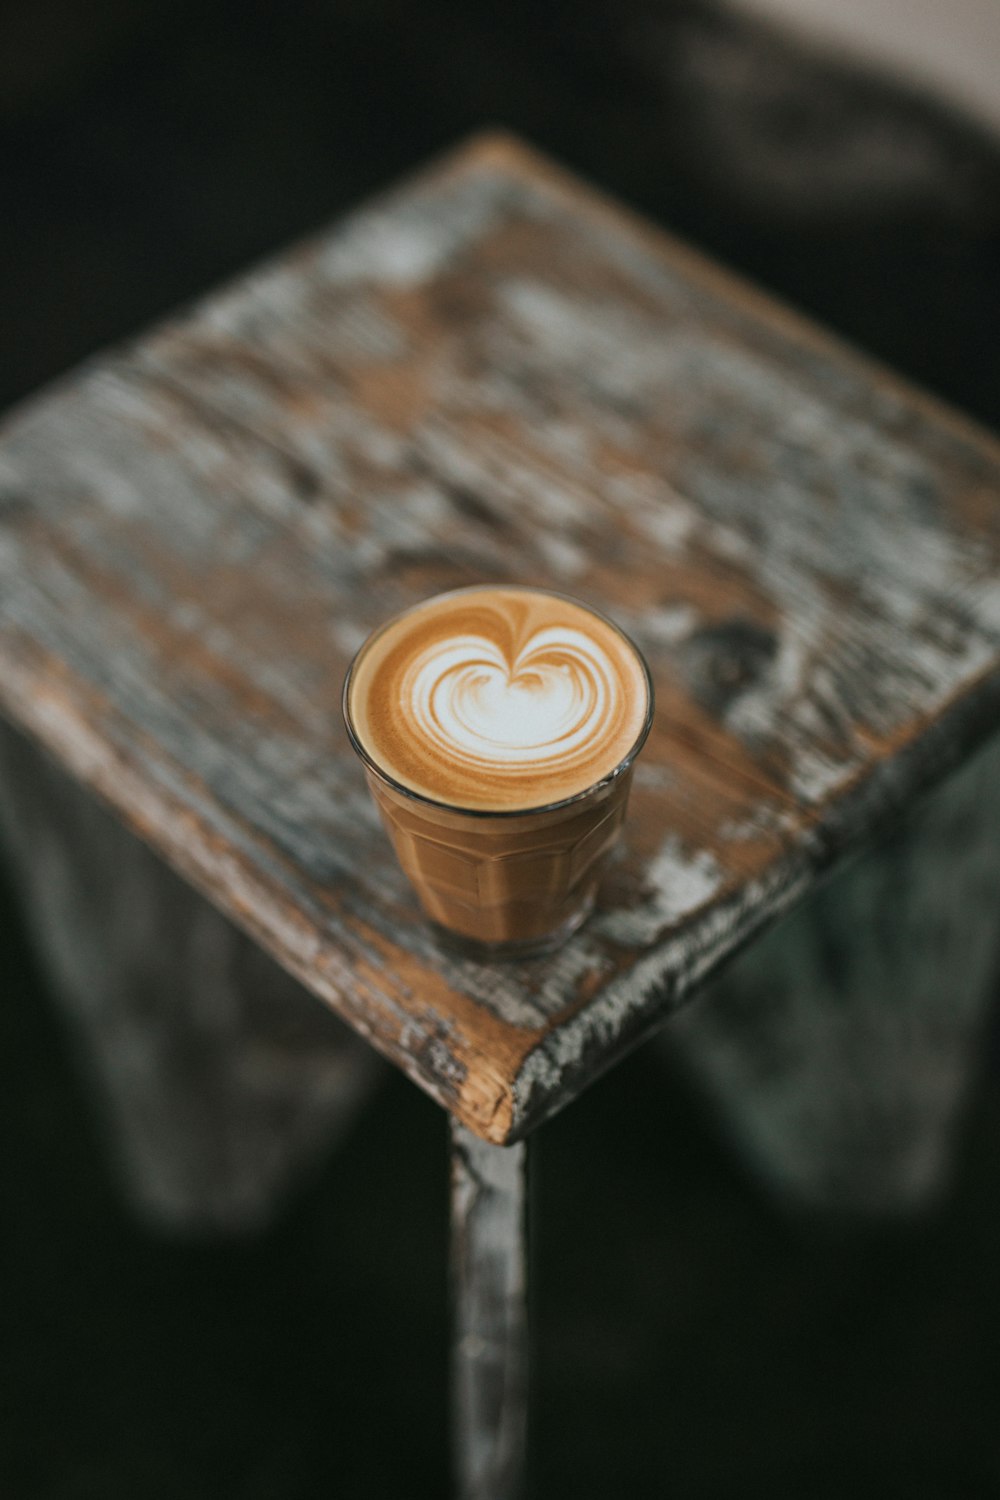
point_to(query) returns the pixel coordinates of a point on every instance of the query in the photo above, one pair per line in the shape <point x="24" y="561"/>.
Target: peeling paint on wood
<point x="493" y="373"/>
<point x="839" y="1048"/>
<point x="219" y="1084"/>
<point x="489" y="1336"/>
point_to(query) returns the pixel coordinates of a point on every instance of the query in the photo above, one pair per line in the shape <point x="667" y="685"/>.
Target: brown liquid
<point x="498" y="699"/>
<point x="475" y="713"/>
<point x="529" y="880"/>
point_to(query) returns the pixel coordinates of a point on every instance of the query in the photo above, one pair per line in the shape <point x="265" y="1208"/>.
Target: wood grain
<point x="489" y="1374"/>
<point x="217" y="1082"/>
<point x="492" y="373"/>
<point x="839" y="1049"/>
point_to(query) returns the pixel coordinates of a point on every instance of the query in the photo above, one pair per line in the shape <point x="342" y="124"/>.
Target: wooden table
<point x="493" y="373"/>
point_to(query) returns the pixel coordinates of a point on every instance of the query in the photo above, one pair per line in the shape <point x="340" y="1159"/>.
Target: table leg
<point x="839" y="1048"/>
<point x="219" y="1079"/>
<point x="489" y="1369"/>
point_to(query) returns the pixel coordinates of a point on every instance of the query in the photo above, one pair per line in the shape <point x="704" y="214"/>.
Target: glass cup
<point x="510" y="884"/>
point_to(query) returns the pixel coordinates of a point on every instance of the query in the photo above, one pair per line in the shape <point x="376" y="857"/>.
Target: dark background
<point x="691" y="1340"/>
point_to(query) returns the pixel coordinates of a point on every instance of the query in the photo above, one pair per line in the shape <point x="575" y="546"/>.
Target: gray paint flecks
<point x="493" y="373"/>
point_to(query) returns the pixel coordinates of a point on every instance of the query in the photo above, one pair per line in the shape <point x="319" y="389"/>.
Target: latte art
<point x="467" y="698"/>
<point x="498" y="698"/>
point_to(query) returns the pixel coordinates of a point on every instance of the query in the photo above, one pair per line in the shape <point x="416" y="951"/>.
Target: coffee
<point x="498" y="726"/>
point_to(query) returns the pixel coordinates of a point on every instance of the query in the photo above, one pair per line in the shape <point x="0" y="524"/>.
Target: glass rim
<point x="617" y="770"/>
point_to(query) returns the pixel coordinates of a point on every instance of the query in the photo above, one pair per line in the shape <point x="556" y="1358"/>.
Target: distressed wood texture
<point x="494" y="374"/>
<point x="839" y="1046"/>
<point x="219" y="1083"/>
<point x="489" y="1358"/>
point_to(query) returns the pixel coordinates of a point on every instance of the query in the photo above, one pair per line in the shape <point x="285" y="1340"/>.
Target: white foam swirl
<point x="498" y="698"/>
<point x="544" y="708"/>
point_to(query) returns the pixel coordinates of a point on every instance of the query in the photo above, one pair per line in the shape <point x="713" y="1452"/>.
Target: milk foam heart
<point x="498" y="698"/>
<point x="470" y="700"/>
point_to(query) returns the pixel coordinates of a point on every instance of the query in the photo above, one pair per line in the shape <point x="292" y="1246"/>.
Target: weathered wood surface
<point x="840" y="1046"/>
<point x="492" y="373"/>
<point x="489" y="1335"/>
<point x="219" y="1083"/>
